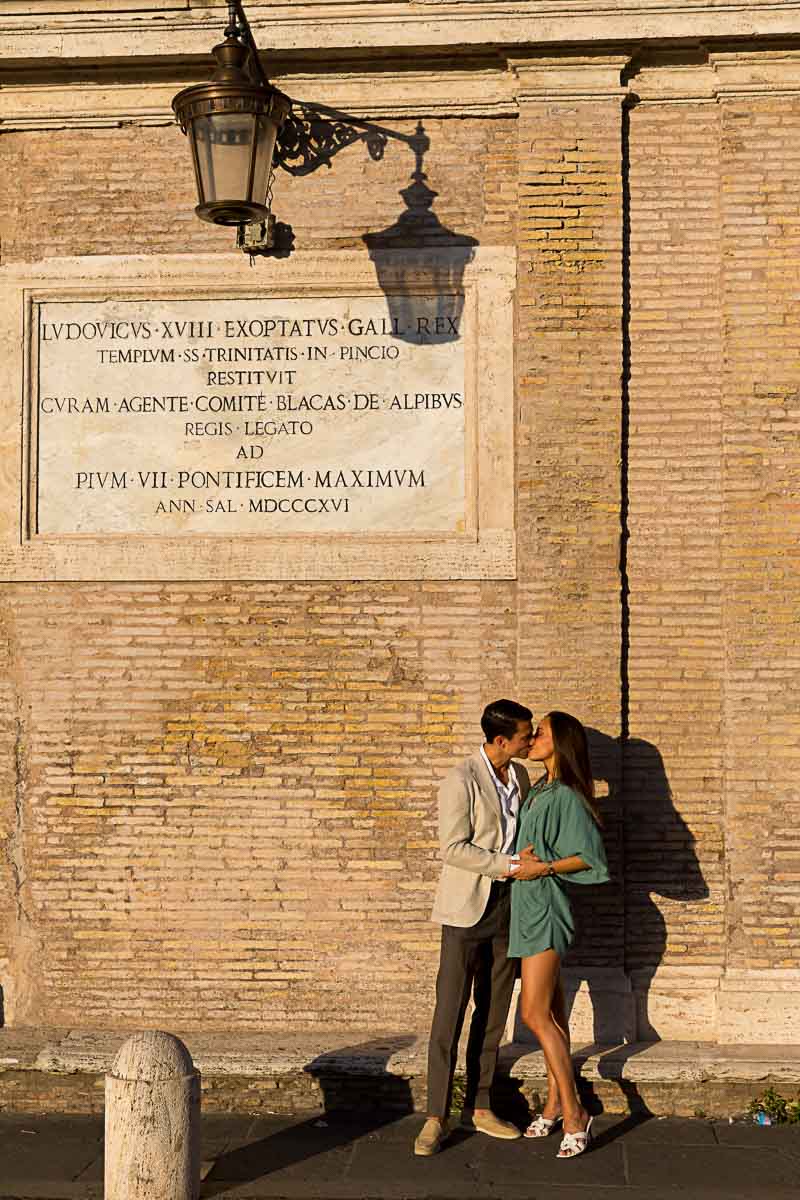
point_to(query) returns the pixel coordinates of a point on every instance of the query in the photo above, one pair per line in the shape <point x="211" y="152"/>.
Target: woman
<point x="559" y="830"/>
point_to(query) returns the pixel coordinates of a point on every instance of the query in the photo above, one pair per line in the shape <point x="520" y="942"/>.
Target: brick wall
<point x="470" y="164"/>
<point x="674" y="871"/>
<point x="229" y="795"/>
<point x="760" y="557"/>
<point x="569" y="363"/>
<point x="229" y="790"/>
<point x="218" y="801"/>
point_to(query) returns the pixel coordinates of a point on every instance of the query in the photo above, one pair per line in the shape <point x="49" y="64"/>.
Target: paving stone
<point x="512" y="1169"/>
<point x="298" y="1159"/>
<point x="46" y="1149"/>
<point x="732" y="1169"/>
<point x="453" y="1172"/>
<point x="762" y="1137"/>
<point x="339" y="1158"/>
<point x="667" y="1130"/>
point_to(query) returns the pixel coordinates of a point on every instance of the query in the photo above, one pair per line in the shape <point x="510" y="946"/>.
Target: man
<point x="478" y="805"/>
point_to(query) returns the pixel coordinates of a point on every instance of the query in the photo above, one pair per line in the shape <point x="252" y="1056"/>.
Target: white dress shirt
<point x="508" y="795"/>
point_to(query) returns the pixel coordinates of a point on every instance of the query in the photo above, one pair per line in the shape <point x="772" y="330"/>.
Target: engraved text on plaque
<point x="250" y="416"/>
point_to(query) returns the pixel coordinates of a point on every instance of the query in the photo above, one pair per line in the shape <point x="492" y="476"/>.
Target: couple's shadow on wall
<point x="621" y="932"/>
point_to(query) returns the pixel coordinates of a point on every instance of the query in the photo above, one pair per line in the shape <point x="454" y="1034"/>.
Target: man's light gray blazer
<point x="470" y="837"/>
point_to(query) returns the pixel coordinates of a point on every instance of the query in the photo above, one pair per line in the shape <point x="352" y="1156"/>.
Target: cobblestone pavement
<point x="334" y="1157"/>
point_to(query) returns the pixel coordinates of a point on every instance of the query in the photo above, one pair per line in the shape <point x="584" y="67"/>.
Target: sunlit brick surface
<point x="218" y="800"/>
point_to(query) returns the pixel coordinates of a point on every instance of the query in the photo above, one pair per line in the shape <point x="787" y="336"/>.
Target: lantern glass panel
<point x="224" y="144"/>
<point x="265" y="145"/>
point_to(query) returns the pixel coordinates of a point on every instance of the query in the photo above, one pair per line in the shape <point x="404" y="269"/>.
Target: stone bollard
<point x="152" y="1121"/>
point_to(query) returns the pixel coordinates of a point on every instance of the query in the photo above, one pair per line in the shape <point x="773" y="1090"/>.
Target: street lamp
<point x="232" y="123"/>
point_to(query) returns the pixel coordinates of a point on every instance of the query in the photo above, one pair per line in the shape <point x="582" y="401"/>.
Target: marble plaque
<point x="252" y="415"/>
<point x="186" y="417"/>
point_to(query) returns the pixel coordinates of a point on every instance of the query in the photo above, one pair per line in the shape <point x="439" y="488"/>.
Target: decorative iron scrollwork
<point x="312" y="134"/>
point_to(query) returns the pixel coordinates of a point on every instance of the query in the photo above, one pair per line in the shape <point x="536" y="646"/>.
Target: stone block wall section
<point x="675" y="828"/>
<point x="569" y="364"/>
<point x="761" y="557"/>
<point x="218" y="800"/>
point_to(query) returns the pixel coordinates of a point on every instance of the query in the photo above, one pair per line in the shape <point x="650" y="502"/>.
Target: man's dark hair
<point x="500" y="718"/>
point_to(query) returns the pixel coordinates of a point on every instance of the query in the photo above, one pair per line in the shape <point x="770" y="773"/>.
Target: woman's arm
<point x="532" y="867"/>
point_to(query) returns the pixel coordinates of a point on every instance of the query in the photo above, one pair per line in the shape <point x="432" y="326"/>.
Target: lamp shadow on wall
<point x="419" y="262"/>
<point x="330" y="1132"/>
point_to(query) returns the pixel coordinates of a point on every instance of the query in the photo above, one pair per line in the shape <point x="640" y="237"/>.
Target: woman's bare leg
<point x="540" y="974"/>
<point x="558" y="1012"/>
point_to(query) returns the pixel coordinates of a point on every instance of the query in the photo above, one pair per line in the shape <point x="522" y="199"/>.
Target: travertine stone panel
<point x="188" y="29"/>
<point x="674" y="869"/>
<point x="759" y="1006"/>
<point x="258" y="415"/>
<point x="83" y="440"/>
<point x="676" y="1004"/>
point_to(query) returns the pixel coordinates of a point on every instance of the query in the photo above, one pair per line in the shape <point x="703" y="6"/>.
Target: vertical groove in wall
<point x="624" y="447"/>
<point x="624" y="505"/>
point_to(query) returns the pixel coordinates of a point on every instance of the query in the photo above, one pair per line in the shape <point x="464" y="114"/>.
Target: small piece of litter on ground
<point x="8" y="1062"/>
<point x="763" y="1119"/>
<point x="320" y="1124"/>
<point x="27" y="1131"/>
<point x="730" y="1120"/>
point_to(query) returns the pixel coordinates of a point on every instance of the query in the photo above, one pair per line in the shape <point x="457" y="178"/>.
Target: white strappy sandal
<point x="542" y="1126"/>
<point x="573" y="1144"/>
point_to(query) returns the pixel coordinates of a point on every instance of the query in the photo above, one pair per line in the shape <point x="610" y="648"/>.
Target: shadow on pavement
<point x="611" y="1065"/>
<point x="330" y="1132"/>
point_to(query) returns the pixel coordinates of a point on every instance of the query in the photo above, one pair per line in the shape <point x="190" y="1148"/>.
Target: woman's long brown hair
<point x="572" y="764"/>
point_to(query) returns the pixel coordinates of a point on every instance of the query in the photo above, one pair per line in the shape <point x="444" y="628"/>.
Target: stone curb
<point x="62" y="1070"/>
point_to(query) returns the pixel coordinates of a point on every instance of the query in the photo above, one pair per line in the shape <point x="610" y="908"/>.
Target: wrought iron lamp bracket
<point x="308" y="138"/>
<point x="312" y="135"/>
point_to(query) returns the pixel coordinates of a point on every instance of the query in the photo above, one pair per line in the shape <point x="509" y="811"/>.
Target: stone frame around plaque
<point x="485" y="550"/>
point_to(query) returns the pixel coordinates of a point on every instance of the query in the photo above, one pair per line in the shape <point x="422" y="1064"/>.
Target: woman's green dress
<point x="556" y="822"/>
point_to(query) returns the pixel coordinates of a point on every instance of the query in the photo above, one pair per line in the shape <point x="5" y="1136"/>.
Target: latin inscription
<point x="277" y="416"/>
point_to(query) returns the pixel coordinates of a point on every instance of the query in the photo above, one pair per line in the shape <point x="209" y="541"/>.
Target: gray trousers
<point x="472" y="960"/>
